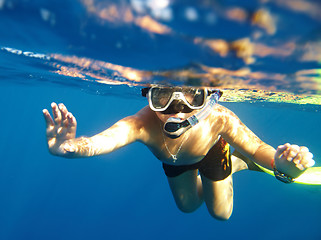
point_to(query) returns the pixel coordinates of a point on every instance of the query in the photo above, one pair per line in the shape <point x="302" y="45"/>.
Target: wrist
<point x="272" y="164"/>
<point x="280" y="175"/>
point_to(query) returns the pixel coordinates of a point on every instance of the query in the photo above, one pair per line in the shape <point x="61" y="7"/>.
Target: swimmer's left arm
<point x="289" y="159"/>
<point x="245" y="141"/>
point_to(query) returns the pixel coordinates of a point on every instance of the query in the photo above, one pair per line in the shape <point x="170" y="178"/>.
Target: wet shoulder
<point x="146" y="121"/>
<point x="221" y="111"/>
<point x="145" y="115"/>
<point x="222" y="118"/>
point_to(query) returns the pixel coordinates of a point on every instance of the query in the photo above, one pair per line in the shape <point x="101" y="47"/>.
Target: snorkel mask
<point x="160" y="98"/>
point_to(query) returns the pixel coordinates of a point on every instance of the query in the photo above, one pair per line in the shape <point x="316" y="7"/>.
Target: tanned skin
<point x="189" y="189"/>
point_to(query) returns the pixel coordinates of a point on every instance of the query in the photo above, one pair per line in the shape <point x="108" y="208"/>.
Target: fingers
<point x="303" y="160"/>
<point x="300" y="156"/>
<point x="56" y="114"/>
<point x="280" y="150"/>
<point x="62" y="122"/>
<point x="68" y="120"/>
<point x="297" y="161"/>
<point x="48" y="119"/>
<point x="291" y="152"/>
<point x="64" y="112"/>
<point x="72" y="124"/>
<point x="68" y="129"/>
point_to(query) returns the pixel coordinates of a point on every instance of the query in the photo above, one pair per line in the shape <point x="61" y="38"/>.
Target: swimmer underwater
<point x="186" y="129"/>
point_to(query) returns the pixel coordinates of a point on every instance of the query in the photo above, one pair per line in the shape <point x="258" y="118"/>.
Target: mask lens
<point x="195" y="97"/>
<point x="160" y="97"/>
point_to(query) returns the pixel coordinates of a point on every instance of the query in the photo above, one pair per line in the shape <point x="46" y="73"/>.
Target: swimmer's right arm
<point x="61" y="133"/>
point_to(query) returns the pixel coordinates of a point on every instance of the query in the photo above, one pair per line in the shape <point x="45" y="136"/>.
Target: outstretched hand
<point x="292" y="159"/>
<point x="60" y="129"/>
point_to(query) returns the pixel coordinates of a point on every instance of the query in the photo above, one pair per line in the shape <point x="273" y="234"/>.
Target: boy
<point x="189" y="132"/>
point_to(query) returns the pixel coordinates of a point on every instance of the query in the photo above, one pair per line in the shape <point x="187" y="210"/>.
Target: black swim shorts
<point x="216" y="165"/>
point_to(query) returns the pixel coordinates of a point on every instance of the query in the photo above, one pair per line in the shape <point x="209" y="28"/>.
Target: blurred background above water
<point x="268" y="49"/>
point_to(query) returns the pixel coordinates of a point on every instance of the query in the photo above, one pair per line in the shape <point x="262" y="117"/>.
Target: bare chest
<point x="188" y="149"/>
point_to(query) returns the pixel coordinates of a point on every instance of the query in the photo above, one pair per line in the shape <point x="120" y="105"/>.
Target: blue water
<point x="125" y="195"/>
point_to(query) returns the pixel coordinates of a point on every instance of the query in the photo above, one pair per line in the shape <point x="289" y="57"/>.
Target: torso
<point x="189" y="148"/>
<point x="200" y="138"/>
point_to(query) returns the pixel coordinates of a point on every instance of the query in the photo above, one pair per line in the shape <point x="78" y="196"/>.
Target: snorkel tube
<point x="175" y="127"/>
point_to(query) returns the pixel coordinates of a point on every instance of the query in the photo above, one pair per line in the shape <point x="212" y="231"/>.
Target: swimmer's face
<point x="178" y="102"/>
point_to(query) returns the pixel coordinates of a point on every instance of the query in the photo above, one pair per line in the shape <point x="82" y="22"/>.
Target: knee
<point x="186" y="204"/>
<point x="221" y="214"/>
<point x="186" y="208"/>
<point x="221" y="211"/>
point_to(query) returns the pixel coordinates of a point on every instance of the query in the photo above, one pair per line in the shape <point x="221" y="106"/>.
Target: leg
<point x="187" y="190"/>
<point x="218" y="197"/>
<point x="238" y="164"/>
<point x="216" y="174"/>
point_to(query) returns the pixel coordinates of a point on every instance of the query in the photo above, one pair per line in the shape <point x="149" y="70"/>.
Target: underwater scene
<point x="96" y="56"/>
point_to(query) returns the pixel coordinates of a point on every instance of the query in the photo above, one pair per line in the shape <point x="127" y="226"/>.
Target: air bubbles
<point x="165" y="14"/>
<point x="2" y="2"/>
<point x="159" y="9"/>
<point x="138" y="5"/>
<point x="119" y="45"/>
<point x="158" y="4"/>
<point x="211" y="18"/>
<point x="47" y="16"/>
<point x="6" y="4"/>
<point x="191" y="14"/>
